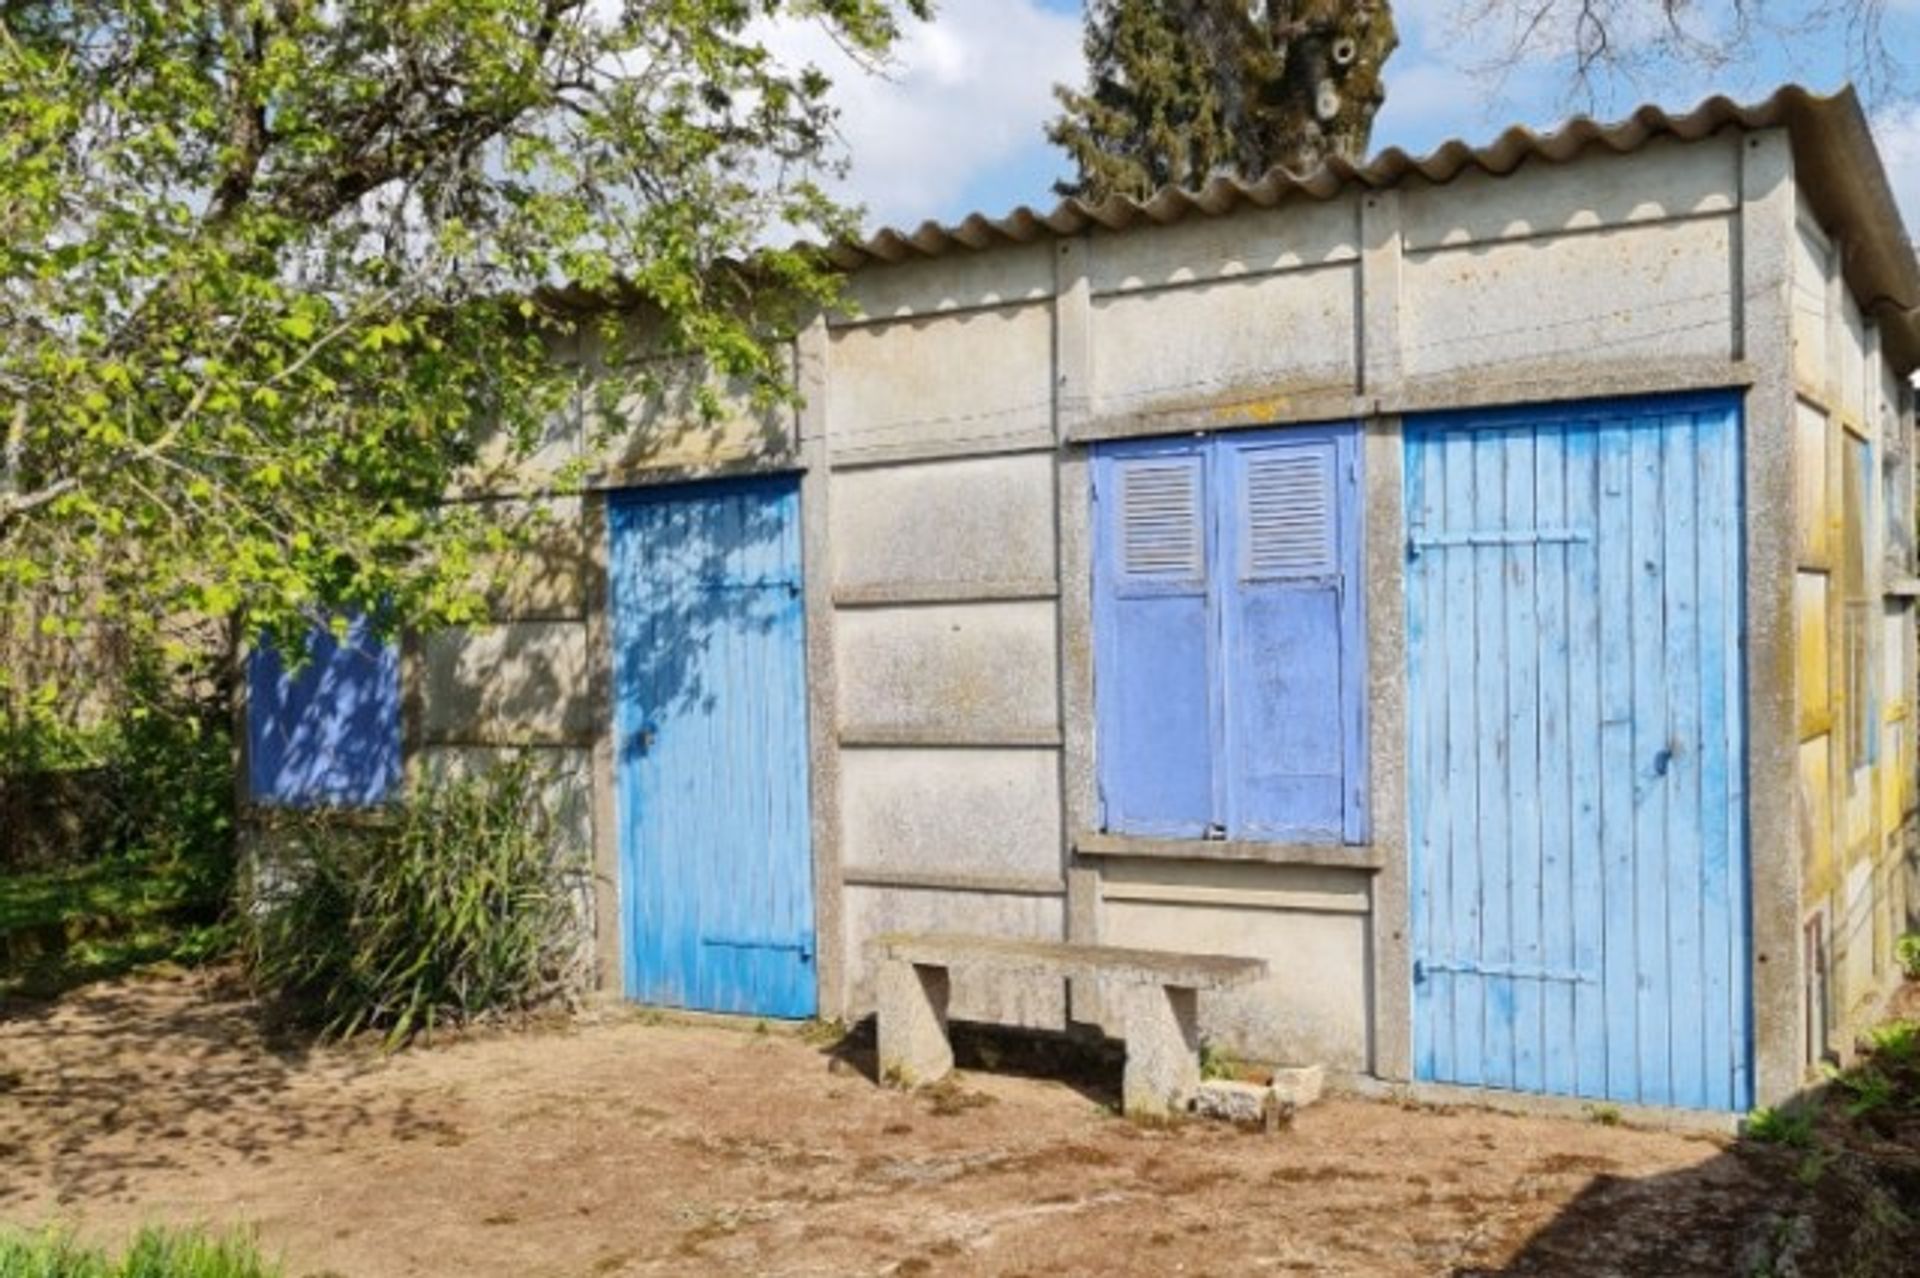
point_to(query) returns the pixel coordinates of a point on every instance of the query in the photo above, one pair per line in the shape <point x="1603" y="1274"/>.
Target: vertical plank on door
<point x="1466" y="1006"/>
<point x="1652" y="755"/>
<point x="1682" y="663"/>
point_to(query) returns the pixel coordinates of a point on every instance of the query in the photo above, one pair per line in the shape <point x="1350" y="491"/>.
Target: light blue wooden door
<point x="1575" y="759"/>
<point x="710" y="721"/>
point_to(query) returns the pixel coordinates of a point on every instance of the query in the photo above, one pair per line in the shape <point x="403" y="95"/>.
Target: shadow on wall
<point x="326" y="730"/>
<point x="688" y="579"/>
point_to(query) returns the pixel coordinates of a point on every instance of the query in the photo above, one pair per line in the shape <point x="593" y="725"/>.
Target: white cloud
<point x="966" y="94"/>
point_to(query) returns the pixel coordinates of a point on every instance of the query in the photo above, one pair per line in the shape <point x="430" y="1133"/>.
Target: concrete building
<point x="1481" y="586"/>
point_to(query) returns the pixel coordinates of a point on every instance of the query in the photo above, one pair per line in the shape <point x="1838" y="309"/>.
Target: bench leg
<point x="1163" y="1050"/>
<point x="913" y="1024"/>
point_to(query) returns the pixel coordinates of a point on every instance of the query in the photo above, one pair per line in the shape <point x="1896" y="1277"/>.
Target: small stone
<point x="1244" y="1104"/>
<point x="1299" y="1085"/>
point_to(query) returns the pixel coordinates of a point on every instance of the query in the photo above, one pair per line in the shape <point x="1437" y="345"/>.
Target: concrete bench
<point x="1156" y="994"/>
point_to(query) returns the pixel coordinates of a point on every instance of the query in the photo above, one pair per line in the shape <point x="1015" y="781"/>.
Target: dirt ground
<point x="619" y="1146"/>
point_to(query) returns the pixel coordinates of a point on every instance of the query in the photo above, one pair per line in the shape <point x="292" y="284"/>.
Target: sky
<point x="955" y="126"/>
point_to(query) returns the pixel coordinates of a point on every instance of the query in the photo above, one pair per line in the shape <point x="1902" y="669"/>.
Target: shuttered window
<point x="1228" y="656"/>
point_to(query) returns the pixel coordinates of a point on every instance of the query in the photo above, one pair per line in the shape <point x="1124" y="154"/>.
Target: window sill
<point x="1342" y="856"/>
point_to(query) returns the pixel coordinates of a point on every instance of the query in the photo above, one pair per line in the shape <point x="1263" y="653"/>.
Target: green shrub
<point x="1790" y="1125"/>
<point x="123" y="852"/>
<point x="154" y="1253"/>
<point x="1895" y="1045"/>
<point x="452" y="909"/>
<point x="1907" y="950"/>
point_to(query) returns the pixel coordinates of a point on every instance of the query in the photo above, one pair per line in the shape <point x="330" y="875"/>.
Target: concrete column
<point x="608" y="948"/>
<point x="1773" y="819"/>
<point x="1073" y="380"/>
<point x="912" y="1005"/>
<point x="823" y="714"/>
<point x="1382" y="377"/>
<point x="1163" y="1049"/>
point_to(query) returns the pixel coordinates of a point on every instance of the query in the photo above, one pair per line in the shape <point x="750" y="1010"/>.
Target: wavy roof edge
<point x="1839" y="170"/>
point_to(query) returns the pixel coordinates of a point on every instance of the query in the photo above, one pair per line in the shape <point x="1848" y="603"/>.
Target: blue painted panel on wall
<point x="1155" y="618"/>
<point x="1575" y="759"/>
<point x="710" y="721"/>
<point x="1229" y="662"/>
<point x="326" y="734"/>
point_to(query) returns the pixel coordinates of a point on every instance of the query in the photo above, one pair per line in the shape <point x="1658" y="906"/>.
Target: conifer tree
<point x="1180" y="90"/>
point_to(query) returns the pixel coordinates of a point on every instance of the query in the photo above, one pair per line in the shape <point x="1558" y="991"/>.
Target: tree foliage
<point x="1180" y="90"/>
<point x="276" y="275"/>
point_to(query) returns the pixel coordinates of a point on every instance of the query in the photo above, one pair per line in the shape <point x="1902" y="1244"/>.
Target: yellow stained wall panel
<point x="1810" y="647"/>
<point x="1810" y="476"/>
<point x="1816" y="817"/>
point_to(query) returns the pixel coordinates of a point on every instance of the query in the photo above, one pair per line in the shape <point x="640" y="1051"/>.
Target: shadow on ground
<point x="1087" y="1064"/>
<point x="111" y="1080"/>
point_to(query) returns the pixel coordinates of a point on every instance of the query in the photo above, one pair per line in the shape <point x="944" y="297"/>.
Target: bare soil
<point x="620" y="1145"/>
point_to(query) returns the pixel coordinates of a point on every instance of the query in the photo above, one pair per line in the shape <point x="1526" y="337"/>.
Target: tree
<point x="277" y="275"/>
<point x="1596" y="44"/>
<point x="1180" y="90"/>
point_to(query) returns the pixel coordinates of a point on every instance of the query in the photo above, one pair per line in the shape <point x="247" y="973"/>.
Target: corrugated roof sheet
<point x="1839" y="169"/>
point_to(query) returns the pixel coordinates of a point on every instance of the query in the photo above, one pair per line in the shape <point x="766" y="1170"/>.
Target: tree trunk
<point x="1322" y="87"/>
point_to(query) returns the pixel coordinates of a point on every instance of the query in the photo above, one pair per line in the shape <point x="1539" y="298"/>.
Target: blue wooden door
<point x="710" y="721"/>
<point x="1575" y="759"/>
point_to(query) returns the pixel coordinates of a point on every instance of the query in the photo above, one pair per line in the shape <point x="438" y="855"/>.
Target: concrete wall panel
<point x="981" y="380"/>
<point x="545" y="577"/>
<point x="966" y="523"/>
<point x="668" y="430"/>
<point x="1658" y="290"/>
<point x="958" y="281"/>
<point x="1186" y="348"/>
<point x="983" y="673"/>
<point x="1664" y="181"/>
<point x="1812" y="511"/>
<point x="1310" y="925"/>
<point x="1850" y="380"/>
<point x="1810" y="645"/>
<point x="961" y="812"/>
<point x="515" y="683"/>
<point x="1816" y="818"/>
<point x="1809" y="304"/>
<point x="987" y="997"/>
<point x="1301" y="232"/>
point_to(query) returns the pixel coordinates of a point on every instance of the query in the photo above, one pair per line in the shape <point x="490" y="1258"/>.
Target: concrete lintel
<point x="936" y="881"/>
<point x="1338" y="855"/>
<point x="1558" y="382"/>
<point x="912" y="593"/>
<point x="642" y="476"/>
<point x="935" y="737"/>
<point x="1038" y="440"/>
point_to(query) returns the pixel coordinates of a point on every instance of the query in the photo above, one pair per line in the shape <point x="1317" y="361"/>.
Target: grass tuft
<point x="1789" y="1125"/>
<point x="153" y="1253"/>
